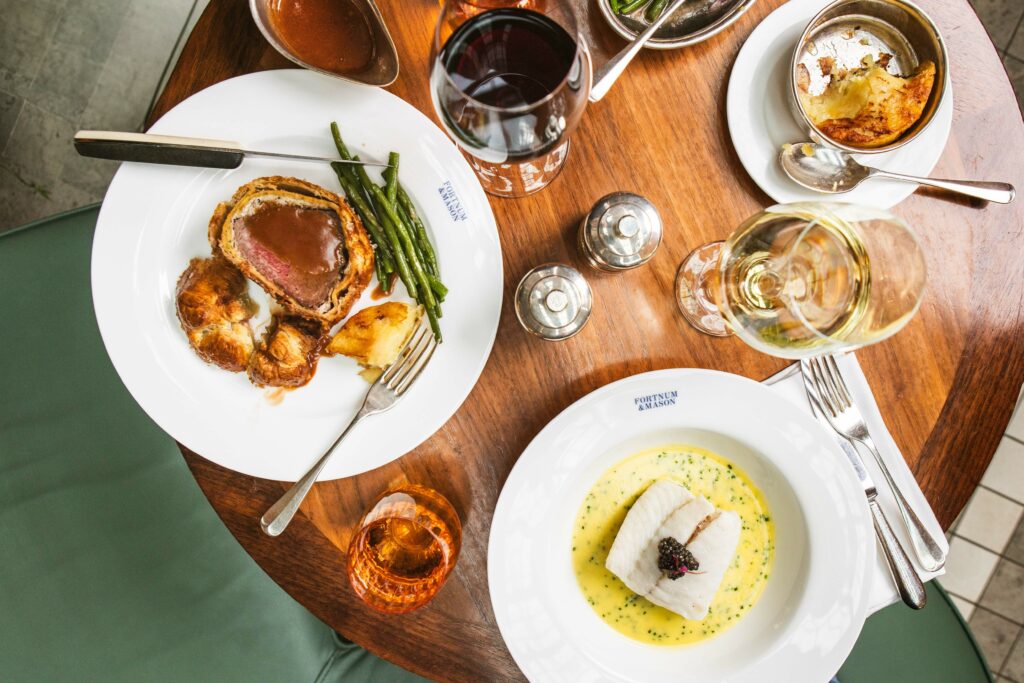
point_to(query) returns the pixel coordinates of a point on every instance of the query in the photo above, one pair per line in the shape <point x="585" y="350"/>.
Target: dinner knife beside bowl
<point x="180" y="151"/>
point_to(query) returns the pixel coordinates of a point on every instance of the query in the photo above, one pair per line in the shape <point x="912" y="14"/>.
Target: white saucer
<point x="760" y="120"/>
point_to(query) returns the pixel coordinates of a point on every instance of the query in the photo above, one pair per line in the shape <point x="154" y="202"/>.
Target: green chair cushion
<point x="114" y="567"/>
<point x="931" y="645"/>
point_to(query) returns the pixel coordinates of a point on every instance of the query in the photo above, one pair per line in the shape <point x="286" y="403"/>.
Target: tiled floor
<point x="1004" y="20"/>
<point x="985" y="570"/>
<point x="67" y="65"/>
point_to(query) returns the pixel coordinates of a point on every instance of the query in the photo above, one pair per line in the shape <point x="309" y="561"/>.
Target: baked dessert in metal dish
<point x="867" y="107"/>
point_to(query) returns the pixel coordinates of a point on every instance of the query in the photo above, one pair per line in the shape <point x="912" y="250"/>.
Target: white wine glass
<point x="804" y="279"/>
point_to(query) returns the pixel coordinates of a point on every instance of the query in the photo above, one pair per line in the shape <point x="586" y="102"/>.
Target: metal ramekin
<point x="382" y="69"/>
<point x="907" y="20"/>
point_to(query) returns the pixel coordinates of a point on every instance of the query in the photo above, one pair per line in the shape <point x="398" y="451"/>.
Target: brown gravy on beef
<point x="299" y="248"/>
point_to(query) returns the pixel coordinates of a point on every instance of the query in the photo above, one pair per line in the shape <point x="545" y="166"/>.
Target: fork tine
<point x="415" y="372"/>
<point x="824" y="391"/>
<point x="422" y="343"/>
<point x="840" y="382"/>
<point x="831" y="375"/>
<point x="810" y="388"/>
<point x="397" y="364"/>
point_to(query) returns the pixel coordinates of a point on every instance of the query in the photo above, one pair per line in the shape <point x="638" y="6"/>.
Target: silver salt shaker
<point x="553" y="301"/>
<point x="622" y="231"/>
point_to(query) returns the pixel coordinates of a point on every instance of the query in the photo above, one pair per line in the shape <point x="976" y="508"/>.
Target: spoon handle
<point x="1001" y="193"/>
<point x="610" y="72"/>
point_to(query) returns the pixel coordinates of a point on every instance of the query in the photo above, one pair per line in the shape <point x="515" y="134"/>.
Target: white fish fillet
<point x="669" y="509"/>
<point x="680" y="525"/>
<point x="640" y="526"/>
<point x="713" y="548"/>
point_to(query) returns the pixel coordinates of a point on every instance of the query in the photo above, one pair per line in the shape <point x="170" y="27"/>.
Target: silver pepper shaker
<point x="622" y="231"/>
<point x="553" y="301"/>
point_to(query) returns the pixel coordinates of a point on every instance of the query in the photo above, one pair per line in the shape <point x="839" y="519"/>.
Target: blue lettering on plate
<point x="451" y="201"/>
<point x="659" y="400"/>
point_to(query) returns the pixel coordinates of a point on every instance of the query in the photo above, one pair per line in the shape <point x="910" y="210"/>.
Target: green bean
<point x="382" y="265"/>
<point x="370" y="222"/>
<point x="614" y="4"/>
<point x="407" y="243"/>
<point x="358" y="173"/>
<point x="421" y="231"/>
<point x="390" y="244"/>
<point x="380" y="247"/>
<point x="383" y="260"/>
<point x="378" y="269"/>
<point x="440" y="291"/>
<point x="401" y="262"/>
<point x="632" y="5"/>
<point x="426" y="294"/>
<point x="379" y="205"/>
<point x="349" y="170"/>
<point x="435" y="326"/>
<point x="654" y="10"/>
<point x="403" y="236"/>
<point x="391" y="176"/>
<point x="342" y="150"/>
<point x="422" y="248"/>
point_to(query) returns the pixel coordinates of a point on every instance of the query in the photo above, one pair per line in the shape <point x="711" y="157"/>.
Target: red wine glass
<point x="509" y="84"/>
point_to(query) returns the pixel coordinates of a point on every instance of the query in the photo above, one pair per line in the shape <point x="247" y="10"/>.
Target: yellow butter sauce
<point x="705" y="474"/>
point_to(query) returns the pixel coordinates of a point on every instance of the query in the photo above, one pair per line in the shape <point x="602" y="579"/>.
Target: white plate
<point x="815" y="601"/>
<point x="760" y="119"/>
<point x="154" y="220"/>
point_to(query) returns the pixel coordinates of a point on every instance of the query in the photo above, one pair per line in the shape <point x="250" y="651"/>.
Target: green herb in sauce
<point x="705" y="474"/>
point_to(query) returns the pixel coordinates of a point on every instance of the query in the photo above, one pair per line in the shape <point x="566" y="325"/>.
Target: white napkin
<point x="788" y="383"/>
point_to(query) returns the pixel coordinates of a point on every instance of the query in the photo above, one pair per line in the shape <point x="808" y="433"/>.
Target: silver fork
<point x="382" y="395"/>
<point x="846" y="418"/>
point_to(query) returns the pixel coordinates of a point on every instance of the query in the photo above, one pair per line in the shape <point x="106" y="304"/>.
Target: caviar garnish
<point x="674" y="559"/>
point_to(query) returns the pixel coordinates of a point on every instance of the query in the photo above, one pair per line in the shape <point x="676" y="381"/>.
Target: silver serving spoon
<point x="610" y="72"/>
<point x="825" y="169"/>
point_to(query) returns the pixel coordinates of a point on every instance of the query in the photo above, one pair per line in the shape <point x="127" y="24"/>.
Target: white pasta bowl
<point x="815" y="600"/>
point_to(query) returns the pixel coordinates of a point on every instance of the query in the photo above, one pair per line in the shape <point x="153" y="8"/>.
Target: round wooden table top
<point x="946" y="384"/>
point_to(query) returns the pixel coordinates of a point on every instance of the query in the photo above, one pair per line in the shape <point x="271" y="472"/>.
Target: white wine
<point x="799" y="280"/>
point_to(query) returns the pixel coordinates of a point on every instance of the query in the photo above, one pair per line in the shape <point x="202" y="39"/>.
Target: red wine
<point x="508" y="57"/>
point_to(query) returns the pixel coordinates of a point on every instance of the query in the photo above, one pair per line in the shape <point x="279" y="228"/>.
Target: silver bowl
<point x="382" y="69"/>
<point x="693" y="22"/>
<point x="896" y="27"/>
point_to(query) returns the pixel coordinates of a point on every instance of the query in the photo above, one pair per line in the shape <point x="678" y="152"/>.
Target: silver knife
<point x="179" y="151"/>
<point x="908" y="583"/>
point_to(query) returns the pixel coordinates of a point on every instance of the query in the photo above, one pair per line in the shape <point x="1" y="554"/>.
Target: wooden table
<point x="946" y="384"/>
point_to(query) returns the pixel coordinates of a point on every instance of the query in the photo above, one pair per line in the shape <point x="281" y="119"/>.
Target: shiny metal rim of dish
<point x="922" y="41"/>
<point x="630" y="29"/>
